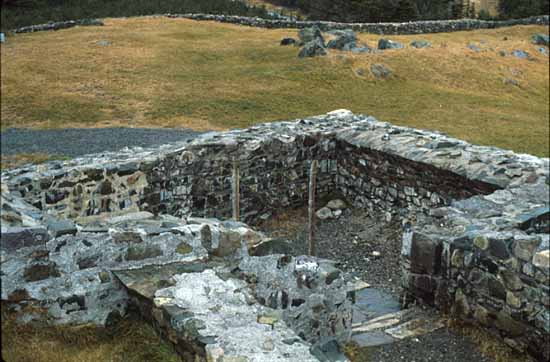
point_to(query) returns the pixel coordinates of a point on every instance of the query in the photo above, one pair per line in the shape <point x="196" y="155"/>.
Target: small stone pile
<point x="333" y="209"/>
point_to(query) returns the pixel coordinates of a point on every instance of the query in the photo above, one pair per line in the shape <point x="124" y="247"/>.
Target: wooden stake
<point x="236" y="192"/>
<point x="312" y="249"/>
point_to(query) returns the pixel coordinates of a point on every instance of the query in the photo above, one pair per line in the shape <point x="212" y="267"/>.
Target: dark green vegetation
<point x="407" y="10"/>
<point x="523" y="8"/>
<point x="18" y="13"/>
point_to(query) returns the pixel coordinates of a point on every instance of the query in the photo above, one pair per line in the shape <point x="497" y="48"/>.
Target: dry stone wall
<point x="413" y="27"/>
<point x="372" y="162"/>
<point x="476" y="218"/>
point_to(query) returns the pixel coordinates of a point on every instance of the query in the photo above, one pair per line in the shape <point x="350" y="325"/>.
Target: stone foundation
<point x="475" y="220"/>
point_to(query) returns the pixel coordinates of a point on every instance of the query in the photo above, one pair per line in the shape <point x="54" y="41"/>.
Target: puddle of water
<point x="372" y="339"/>
<point x="371" y="303"/>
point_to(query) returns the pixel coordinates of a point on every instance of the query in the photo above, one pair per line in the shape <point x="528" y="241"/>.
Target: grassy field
<point x="179" y="73"/>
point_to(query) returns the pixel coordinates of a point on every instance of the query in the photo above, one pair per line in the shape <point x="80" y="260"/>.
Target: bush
<point x="513" y="9"/>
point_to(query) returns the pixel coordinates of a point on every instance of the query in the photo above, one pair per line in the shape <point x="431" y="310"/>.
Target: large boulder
<point x="312" y="49"/>
<point x="389" y="44"/>
<point x="308" y="35"/>
<point x="346" y="40"/>
<point x="541" y="39"/>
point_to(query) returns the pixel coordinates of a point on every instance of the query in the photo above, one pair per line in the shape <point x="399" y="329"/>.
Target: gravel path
<point x="77" y="142"/>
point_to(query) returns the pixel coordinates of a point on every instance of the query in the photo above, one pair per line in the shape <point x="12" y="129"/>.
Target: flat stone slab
<point x="214" y="313"/>
<point x="415" y="327"/>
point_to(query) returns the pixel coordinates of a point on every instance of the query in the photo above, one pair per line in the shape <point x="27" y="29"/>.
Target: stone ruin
<point x="91" y="239"/>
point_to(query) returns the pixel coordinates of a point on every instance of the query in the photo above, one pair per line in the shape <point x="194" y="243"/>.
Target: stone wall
<point x="486" y="259"/>
<point x="371" y="162"/>
<point x="58" y="25"/>
<point x="373" y="179"/>
<point x="414" y="27"/>
<point x="476" y="217"/>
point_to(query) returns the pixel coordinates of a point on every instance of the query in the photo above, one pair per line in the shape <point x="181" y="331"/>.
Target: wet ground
<point x="368" y="247"/>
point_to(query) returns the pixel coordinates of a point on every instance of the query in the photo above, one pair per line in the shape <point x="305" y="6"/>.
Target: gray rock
<point x="543" y="51"/>
<point x="104" y="43"/>
<point x="520" y="54"/>
<point x="540" y="39"/>
<point x="60" y="227"/>
<point x="380" y="71"/>
<point x="389" y="44"/>
<point x="2" y="38"/>
<point x="336" y="204"/>
<point x="474" y="47"/>
<point x="360" y="72"/>
<point x="345" y="41"/>
<point x="324" y="213"/>
<point x="510" y="81"/>
<point x="421" y="44"/>
<point x="312" y="49"/>
<point x="308" y="35"/>
<point x="362" y="49"/>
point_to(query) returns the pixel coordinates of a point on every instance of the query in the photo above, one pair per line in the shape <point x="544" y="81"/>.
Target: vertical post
<point x="312" y="250"/>
<point x="236" y="191"/>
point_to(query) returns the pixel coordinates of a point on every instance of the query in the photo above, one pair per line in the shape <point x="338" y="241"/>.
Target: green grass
<point x="179" y="73"/>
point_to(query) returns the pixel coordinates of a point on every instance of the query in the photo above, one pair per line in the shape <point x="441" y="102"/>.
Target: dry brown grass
<point x="130" y="340"/>
<point x="488" y="344"/>
<point x="162" y="72"/>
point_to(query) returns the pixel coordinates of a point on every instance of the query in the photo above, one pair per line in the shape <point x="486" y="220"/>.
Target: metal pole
<point x="312" y="249"/>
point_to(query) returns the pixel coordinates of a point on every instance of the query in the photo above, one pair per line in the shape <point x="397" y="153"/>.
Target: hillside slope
<point x="180" y="73"/>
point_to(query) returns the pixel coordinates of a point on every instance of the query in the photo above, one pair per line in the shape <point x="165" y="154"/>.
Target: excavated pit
<point x="469" y="223"/>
